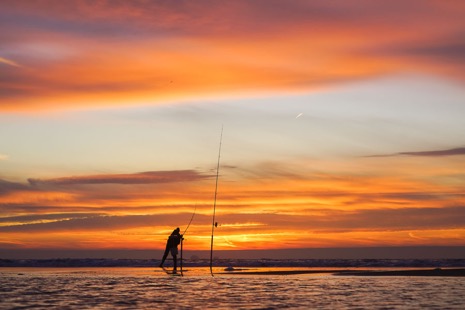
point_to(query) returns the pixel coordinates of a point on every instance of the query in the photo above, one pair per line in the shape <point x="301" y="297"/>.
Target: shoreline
<point x="260" y="271"/>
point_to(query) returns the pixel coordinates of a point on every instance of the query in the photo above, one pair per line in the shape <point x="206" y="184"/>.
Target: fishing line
<point x="192" y="217"/>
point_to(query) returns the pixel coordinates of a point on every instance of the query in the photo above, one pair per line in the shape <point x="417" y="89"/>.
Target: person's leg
<point x="175" y="263"/>
<point x="165" y="255"/>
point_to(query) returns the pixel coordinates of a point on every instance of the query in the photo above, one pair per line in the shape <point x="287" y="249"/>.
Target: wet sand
<point x="268" y="288"/>
<point x="437" y="272"/>
<point x="260" y="271"/>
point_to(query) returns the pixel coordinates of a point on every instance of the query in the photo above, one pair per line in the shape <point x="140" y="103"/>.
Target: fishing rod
<point x="214" y="202"/>
<point x="182" y="236"/>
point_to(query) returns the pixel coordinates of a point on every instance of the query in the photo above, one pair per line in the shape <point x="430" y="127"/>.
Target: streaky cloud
<point x="451" y="50"/>
<point x="40" y="217"/>
<point x="9" y="62"/>
<point x="448" y="152"/>
<point x="7" y="187"/>
<point x="361" y="220"/>
<point x="101" y="223"/>
<point x="149" y="177"/>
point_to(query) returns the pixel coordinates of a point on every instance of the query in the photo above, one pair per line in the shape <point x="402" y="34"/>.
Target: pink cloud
<point x="151" y="50"/>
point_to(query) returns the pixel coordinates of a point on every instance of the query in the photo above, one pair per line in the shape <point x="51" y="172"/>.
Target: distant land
<point x="419" y="252"/>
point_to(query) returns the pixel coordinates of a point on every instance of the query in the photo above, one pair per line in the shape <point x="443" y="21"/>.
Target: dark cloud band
<point x="434" y="153"/>
<point x="150" y="177"/>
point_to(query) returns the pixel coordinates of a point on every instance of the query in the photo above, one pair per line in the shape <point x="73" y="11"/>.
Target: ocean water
<point x="152" y="288"/>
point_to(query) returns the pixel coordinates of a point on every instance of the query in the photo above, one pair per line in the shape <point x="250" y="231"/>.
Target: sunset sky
<point x="343" y="123"/>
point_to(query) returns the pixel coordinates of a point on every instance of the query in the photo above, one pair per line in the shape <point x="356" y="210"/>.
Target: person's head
<point x="176" y="231"/>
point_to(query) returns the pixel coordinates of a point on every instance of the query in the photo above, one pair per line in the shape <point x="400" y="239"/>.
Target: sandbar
<point x="436" y="272"/>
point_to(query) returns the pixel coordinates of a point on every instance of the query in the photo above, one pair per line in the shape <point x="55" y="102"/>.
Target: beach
<point x="249" y="288"/>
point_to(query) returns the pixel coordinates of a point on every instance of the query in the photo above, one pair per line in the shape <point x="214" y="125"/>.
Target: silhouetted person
<point x="172" y="246"/>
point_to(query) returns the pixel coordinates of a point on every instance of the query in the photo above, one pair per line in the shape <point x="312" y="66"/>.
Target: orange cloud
<point x="271" y="205"/>
<point x="150" y="52"/>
